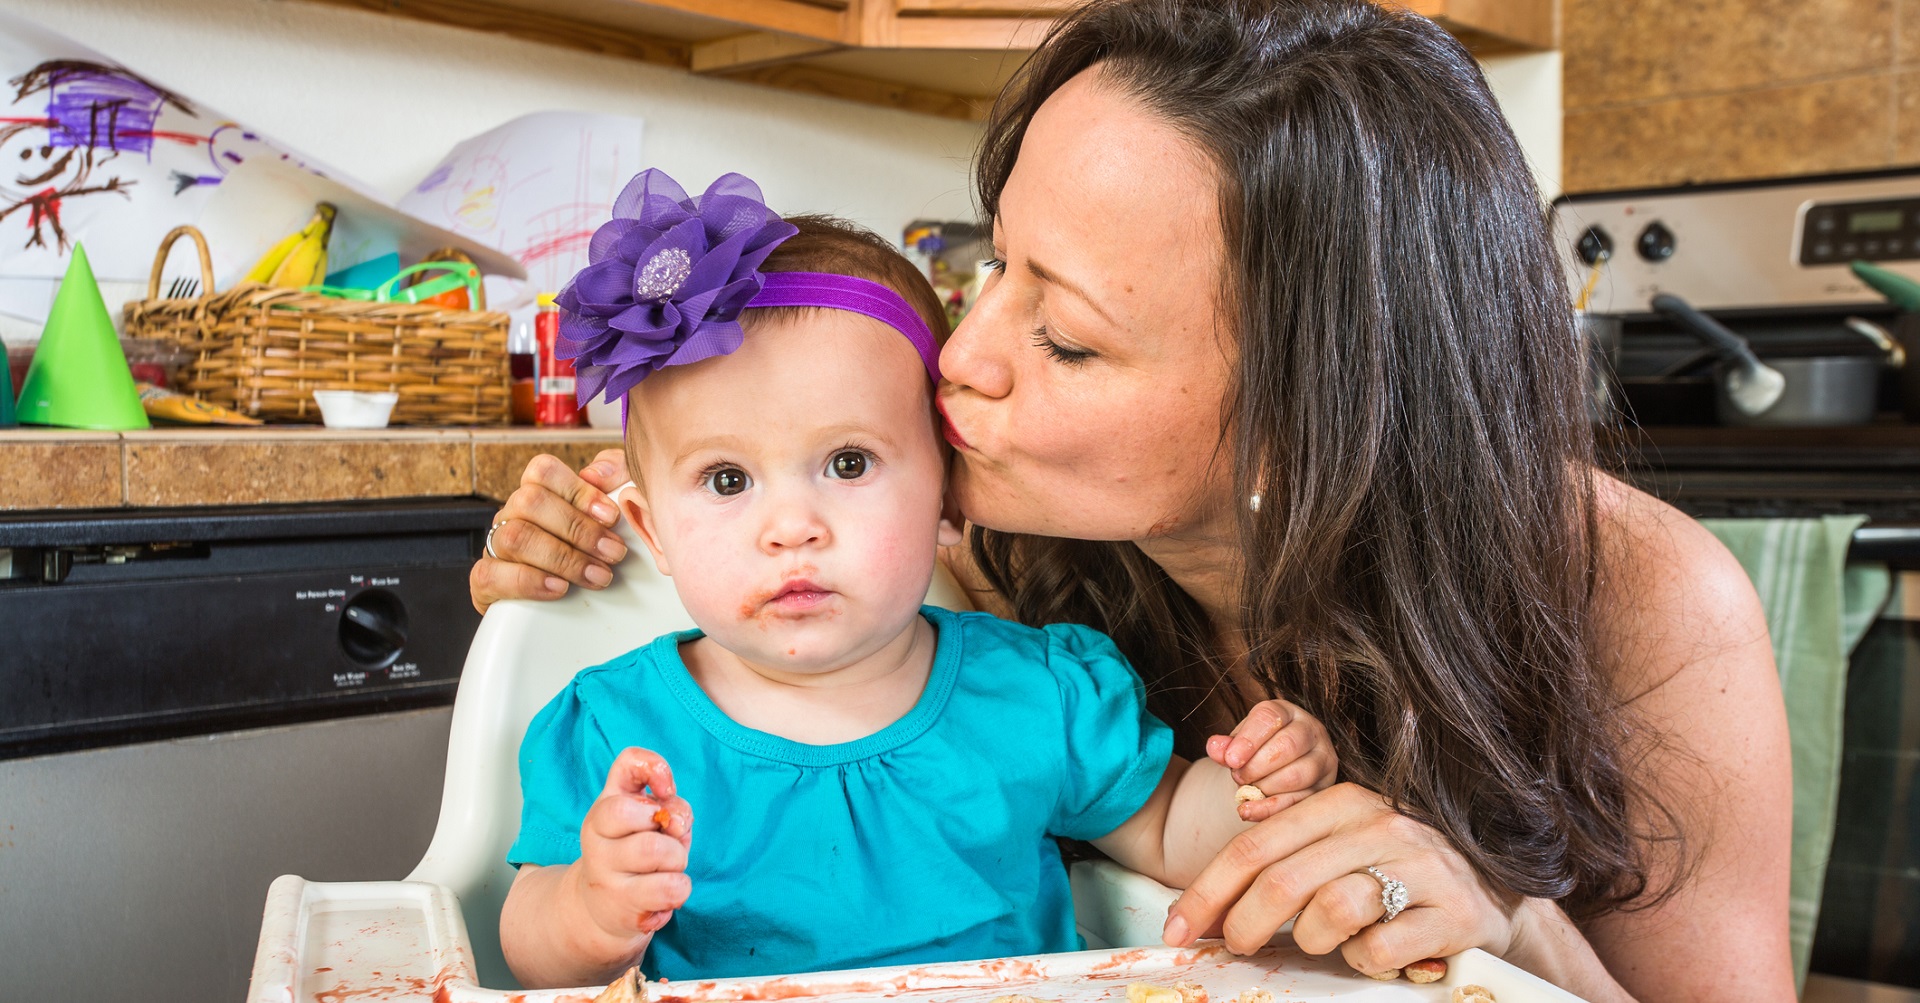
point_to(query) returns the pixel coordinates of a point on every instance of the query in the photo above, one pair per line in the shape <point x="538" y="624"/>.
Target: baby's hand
<point x="1280" y="749"/>
<point x="633" y="848"/>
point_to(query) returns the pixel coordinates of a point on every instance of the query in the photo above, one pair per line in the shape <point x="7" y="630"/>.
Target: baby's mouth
<point x="798" y="595"/>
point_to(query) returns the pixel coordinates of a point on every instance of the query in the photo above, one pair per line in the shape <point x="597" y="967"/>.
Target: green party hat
<point x="79" y="376"/>
<point x="6" y="390"/>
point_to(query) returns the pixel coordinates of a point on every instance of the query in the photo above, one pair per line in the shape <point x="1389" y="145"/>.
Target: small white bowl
<point x="355" y="408"/>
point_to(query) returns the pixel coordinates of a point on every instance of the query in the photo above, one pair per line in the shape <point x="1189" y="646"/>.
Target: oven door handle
<point x="1894" y="544"/>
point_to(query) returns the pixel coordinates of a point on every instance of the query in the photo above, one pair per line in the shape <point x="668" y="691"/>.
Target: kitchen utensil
<point x="355" y="408"/>
<point x="1895" y="357"/>
<point x="1745" y="382"/>
<point x="1593" y="281"/>
<point x="1899" y="290"/>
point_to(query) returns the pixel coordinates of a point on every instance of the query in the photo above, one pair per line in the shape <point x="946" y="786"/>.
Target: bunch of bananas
<point x="299" y="259"/>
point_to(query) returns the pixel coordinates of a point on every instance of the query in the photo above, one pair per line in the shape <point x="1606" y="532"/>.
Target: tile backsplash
<point x="1716" y="90"/>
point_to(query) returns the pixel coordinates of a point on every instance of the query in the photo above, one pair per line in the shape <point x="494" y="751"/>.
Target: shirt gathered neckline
<point x="751" y="741"/>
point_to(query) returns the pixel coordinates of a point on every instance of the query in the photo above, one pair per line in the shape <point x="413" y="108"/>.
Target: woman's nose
<point x="975" y="357"/>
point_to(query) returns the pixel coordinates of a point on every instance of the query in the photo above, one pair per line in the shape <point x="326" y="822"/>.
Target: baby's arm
<point x="1194" y="812"/>
<point x="585" y="922"/>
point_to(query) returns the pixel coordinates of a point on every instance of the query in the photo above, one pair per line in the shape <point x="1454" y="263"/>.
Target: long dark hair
<point x="1421" y="572"/>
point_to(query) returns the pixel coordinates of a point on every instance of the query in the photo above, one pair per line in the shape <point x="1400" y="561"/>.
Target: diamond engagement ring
<point x="490" y="532"/>
<point x="1393" y="894"/>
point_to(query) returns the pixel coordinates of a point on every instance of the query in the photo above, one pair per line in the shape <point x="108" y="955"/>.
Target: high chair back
<point x="523" y="654"/>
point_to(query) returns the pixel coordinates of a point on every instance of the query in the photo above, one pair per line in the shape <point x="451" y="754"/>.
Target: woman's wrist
<point x="1544" y="941"/>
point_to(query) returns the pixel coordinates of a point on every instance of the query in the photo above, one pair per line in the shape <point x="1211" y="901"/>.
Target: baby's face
<point x="793" y="488"/>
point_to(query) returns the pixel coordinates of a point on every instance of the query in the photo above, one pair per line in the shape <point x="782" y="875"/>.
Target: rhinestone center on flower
<point x="662" y="276"/>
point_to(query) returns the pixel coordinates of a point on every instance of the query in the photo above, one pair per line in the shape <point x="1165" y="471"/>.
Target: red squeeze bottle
<point x="554" y="402"/>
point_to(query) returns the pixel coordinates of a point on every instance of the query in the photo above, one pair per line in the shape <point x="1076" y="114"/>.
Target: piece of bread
<point x="628" y="988"/>
<point x="1472" y="994"/>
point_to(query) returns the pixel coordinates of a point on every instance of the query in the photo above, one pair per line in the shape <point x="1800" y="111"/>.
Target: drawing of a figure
<point x="94" y="112"/>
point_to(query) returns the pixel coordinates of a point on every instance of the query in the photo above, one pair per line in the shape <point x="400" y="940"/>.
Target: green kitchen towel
<point x="1817" y="607"/>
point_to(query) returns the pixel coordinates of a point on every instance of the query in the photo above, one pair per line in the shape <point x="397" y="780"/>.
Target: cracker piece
<point x="630" y="987"/>
<point x="1387" y="976"/>
<point x="1248" y="793"/>
<point x="1191" y="992"/>
<point x="1430" y="970"/>
<point x="1255" y="995"/>
<point x="1472" y="994"/>
<point x="1147" y="992"/>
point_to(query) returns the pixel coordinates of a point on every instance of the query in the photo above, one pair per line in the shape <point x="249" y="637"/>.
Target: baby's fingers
<point x="639" y="771"/>
<point x="641" y="853"/>
<point x="1266" y="718"/>
<point x="1265" y="808"/>
<point x="1291" y="745"/>
<point x="617" y="816"/>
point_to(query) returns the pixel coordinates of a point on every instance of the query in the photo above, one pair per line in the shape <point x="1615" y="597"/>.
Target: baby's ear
<point x="951" y="534"/>
<point x="634" y="507"/>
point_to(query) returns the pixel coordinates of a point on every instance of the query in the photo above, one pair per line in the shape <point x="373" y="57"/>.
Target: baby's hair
<point x="841" y="247"/>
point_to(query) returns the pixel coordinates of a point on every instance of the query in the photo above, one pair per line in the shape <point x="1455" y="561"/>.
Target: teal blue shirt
<point x="925" y="841"/>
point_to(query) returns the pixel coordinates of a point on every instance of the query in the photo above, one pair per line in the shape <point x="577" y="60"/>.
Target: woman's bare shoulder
<point x="1669" y="594"/>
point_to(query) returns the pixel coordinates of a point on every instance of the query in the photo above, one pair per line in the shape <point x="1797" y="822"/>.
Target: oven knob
<point x="1594" y="246"/>
<point x="373" y="628"/>
<point x="1656" y="242"/>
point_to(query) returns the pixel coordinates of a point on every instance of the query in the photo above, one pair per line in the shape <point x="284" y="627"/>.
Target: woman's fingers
<point x="491" y="581"/>
<point x="1412" y="936"/>
<point x="1231" y="873"/>
<point x="1341" y="908"/>
<point x="550" y="474"/>
<point x="607" y="471"/>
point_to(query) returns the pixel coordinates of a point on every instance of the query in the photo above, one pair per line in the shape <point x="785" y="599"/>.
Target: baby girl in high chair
<point x="877" y="781"/>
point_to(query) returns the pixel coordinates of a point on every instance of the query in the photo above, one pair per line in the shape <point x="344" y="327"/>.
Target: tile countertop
<point x="52" y="468"/>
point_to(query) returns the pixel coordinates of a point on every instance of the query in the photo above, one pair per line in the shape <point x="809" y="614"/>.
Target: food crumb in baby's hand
<point x="1254" y="996"/>
<point x="1472" y="994"/>
<point x="662" y="817"/>
<point x="1191" y="992"/>
<point x="1430" y="970"/>
<point x="1147" y="992"/>
<point x="628" y="988"/>
<point x="1248" y="793"/>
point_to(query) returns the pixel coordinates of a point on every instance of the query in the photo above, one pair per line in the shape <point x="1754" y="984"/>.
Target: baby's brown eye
<point x="727" y="481"/>
<point x="848" y="464"/>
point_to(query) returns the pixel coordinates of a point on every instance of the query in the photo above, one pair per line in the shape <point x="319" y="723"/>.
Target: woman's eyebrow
<point x="1051" y="277"/>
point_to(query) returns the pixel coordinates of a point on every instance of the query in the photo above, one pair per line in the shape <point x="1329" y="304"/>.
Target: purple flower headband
<point x="667" y="278"/>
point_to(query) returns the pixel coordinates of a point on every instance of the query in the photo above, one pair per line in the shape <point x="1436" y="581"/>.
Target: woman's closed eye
<point x="725" y="480"/>
<point x="1057" y="351"/>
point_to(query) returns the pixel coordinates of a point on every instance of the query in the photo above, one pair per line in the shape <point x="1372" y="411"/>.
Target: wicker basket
<point x="263" y="351"/>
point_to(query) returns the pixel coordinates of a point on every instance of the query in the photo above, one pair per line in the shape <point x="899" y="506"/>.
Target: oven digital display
<point x="1877" y="221"/>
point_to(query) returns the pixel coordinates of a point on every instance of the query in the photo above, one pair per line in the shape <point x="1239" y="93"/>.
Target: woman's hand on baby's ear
<point x="557" y="528"/>
<point x="633" y="848"/>
<point x="1282" y="751"/>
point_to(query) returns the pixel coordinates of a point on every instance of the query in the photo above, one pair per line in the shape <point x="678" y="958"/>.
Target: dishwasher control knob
<point x="1656" y="242"/>
<point x="1594" y="246"/>
<point x="373" y="628"/>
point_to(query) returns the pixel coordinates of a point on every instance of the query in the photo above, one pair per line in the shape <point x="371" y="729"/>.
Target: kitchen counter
<point x="49" y="468"/>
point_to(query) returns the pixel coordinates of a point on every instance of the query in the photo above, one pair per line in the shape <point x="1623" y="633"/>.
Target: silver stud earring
<point x="1253" y="503"/>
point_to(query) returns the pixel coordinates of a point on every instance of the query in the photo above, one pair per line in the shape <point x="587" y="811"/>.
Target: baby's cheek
<point x="709" y="568"/>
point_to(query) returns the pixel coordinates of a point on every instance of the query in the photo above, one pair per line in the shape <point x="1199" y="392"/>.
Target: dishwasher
<point x="195" y="701"/>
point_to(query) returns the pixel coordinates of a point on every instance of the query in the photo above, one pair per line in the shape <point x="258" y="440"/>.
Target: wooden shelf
<point x="937" y="57"/>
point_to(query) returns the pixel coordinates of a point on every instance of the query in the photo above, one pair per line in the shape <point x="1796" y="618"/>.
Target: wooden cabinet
<point x="938" y="57"/>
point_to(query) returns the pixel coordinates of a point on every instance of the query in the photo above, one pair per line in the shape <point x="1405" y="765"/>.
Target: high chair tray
<point x="405" y="941"/>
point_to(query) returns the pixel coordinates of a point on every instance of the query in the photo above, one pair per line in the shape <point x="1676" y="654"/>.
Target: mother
<point x="1279" y="387"/>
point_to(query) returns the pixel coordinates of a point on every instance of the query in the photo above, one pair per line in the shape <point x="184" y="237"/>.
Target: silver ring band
<point x="1393" y="894"/>
<point x="495" y="528"/>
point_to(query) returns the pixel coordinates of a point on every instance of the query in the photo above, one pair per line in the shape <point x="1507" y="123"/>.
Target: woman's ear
<point x="634" y="506"/>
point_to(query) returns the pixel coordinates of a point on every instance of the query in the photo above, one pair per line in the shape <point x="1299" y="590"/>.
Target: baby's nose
<point x="793" y="525"/>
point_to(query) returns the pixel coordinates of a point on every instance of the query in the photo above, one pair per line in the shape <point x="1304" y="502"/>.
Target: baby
<point x="877" y="781"/>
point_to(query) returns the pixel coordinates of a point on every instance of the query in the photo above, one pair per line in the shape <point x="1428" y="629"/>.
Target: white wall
<point x="384" y="97"/>
<point x="1528" y="88"/>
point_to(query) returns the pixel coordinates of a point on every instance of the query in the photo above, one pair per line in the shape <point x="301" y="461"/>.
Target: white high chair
<point x="437" y="933"/>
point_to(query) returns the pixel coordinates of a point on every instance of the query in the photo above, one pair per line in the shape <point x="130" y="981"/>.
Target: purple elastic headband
<point x="858" y="295"/>
<point x="667" y="277"/>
